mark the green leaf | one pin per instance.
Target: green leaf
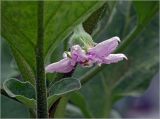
(22, 91)
(145, 11)
(19, 27)
(62, 87)
(79, 101)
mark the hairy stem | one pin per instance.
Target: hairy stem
(40, 73)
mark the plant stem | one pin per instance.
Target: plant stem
(40, 73)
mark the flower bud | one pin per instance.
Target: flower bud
(81, 38)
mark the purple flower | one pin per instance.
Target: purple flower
(78, 54)
(67, 64)
(113, 58)
(63, 66)
(105, 48)
(100, 54)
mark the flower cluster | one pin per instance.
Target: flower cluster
(98, 54)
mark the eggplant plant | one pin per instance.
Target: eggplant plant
(75, 58)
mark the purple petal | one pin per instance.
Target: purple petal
(63, 66)
(105, 48)
(78, 54)
(114, 58)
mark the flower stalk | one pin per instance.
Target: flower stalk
(41, 92)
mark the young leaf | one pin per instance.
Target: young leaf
(22, 91)
(64, 86)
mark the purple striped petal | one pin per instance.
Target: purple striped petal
(63, 66)
(105, 48)
(114, 58)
